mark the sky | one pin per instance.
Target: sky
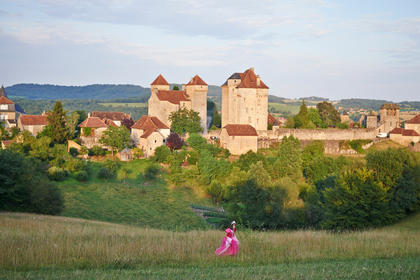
(335, 49)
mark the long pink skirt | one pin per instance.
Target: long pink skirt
(231, 251)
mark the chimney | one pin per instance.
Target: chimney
(89, 115)
(258, 81)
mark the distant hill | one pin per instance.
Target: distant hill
(314, 98)
(36, 91)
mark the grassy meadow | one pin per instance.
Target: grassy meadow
(48, 247)
(133, 200)
(126, 104)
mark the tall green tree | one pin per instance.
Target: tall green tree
(57, 124)
(329, 115)
(185, 121)
(117, 138)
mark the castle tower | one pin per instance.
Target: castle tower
(389, 117)
(245, 100)
(2, 91)
(197, 90)
(159, 84)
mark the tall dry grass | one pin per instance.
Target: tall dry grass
(35, 241)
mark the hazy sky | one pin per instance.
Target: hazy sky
(335, 49)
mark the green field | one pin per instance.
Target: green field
(283, 108)
(133, 200)
(135, 105)
(47, 247)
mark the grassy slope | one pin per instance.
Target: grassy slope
(135, 201)
(45, 247)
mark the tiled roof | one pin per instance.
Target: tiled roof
(93, 122)
(415, 120)
(410, 132)
(390, 106)
(149, 125)
(397, 130)
(110, 123)
(160, 80)
(115, 116)
(172, 96)
(33, 120)
(5, 100)
(196, 80)
(271, 119)
(248, 79)
(8, 142)
(240, 130)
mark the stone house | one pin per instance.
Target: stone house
(91, 131)
(404, 136)
(344, 117)
(245, 100)
(32, 123)
(148, 133)
(111, 118)
(163, 101)
(239, 138)
(413, 124)
(387, 119)
(7, 111)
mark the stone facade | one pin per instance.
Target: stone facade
(32, 123)
(239, 138)
(95, 127)
(404, 136)
(148, 133)
(413, 124)
(7, 111)
(389, 117)
(163, 101)
(245, 100)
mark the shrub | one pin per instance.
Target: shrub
(73, 151)
(112, 165)
(161, 154)
(105, 173)
(151, 172)
(97, 151)
(81, 176)
(57, 173)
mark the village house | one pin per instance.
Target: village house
(148, 133)
(239, 138)
(163, 101)
(404, 136)
(344, 117)
(7, 110)
(387, 119)
(91, 131)
(32, 123)
(413, 124)
(111, 118)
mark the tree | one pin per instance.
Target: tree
(289, 161)
(57, 123)
(128, 123)
(315, 118)
(117, 138)
(175, 87)
(217, 119)
(185, 121)
(174, 142)
(72, 123)
(329, 115)
(259, 174)
(196, 141)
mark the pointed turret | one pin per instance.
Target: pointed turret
(160, 81)
(196, 81)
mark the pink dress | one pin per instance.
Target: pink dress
(229, 246)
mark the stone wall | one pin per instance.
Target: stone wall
(319, 134)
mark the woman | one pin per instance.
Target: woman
(229, 246)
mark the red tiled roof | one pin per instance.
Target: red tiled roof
(172, 96)
(249, 80)
(5, 100)
(271, 120)
(196, 80)
(410, 132)
(33, 120)
(93, 122)
(397, 130)
(110, 123)
(240, 130)
(415, 120)
(149, 125)
(160, 80)
(8, 142)
(115, 116)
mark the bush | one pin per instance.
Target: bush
(151, 172)
(112, 165)
(105, 173)
(73, 151)
(97, 151)
(81, 176)
(161, 154)
(57, 173)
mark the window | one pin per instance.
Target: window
(155, 141)
(4, 107)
